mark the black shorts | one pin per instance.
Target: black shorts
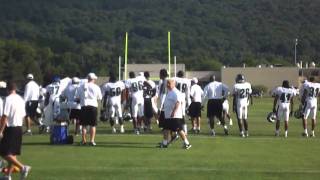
(31, 108)
(195, 109)
(214, 108)
(75, 114)
(161, 119)
(89, 116)
(148, 110)
(173, 124)
(11, 141)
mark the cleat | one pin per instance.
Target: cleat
(213, 133)
(187, 146)
(312, 135)
(121, 130)
(114, 130)
(276, 134)
(25, 171)
(137, 132)
(83, 143)
(162, 146)
(242, 135)
(305, 135)
(92, 144)
(226, 132)
(218, 123)
(27, 133)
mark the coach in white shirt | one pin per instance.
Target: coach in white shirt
(31, 97)
(89, 94)
(11, 130)
(173, 114)
(195, 107)
(215, 92)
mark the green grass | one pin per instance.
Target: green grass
(128, 156)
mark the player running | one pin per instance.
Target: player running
(241, 95)
(310, 92)
(283, 105)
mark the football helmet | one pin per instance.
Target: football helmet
(272, 117)
(239, 78)
(126, 116)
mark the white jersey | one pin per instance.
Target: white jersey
(285, 94)
(148, 89)
(70, 94)
(215, 90)
(31, 91)
(1, 107)
(89, 94)
(172, 98)
(113, 91)
(135, 86)
(183, 85)
(242, 92)
(196, 93)
(312, 90)
(14, 109)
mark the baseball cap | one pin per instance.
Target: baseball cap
(3, 84)
(195, 80)
(92, 76)
(29, 76)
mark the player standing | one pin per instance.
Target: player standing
(149, 91)
(134, 87)
(283, 105)
(310, 93)
(241, 95)
(196, 93)
(183, 85)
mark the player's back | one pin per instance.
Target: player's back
(242, 91)
(312, 89)
(285, 94)
(135, 86)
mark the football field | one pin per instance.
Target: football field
(130, 156)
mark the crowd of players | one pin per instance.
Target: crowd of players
(170, 102)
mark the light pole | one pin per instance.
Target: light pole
(295, 52)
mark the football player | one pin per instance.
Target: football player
(134, 87)
(241, 96)
(310, 92)
(215, 92)
(114, 91)
(161, 95)
(183, 85)
(283, 105)
(149, 91)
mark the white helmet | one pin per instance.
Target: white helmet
(271, 117)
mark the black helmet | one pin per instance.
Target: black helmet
(240, 78)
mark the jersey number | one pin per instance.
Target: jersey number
(137, 86)
(244, 93)
(313, 92)
(182, 87)
(284, 98)
(115, 91)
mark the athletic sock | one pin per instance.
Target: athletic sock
(165, 142)
(185, 128)
(286, 133)
(186, 141)
(305, 131)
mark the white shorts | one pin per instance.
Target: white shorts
(137, 108)
(114, 109)
(242, 111)
(283, 111)
(225, 106)
(310, 108)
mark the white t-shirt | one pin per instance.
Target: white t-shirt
(70, 94)
(31, 91)
(172, 98)
(89, 94)
(242, 92)
(215, 90)
(284, 94)
(114, 91)
(14, 109)
(196, 93)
